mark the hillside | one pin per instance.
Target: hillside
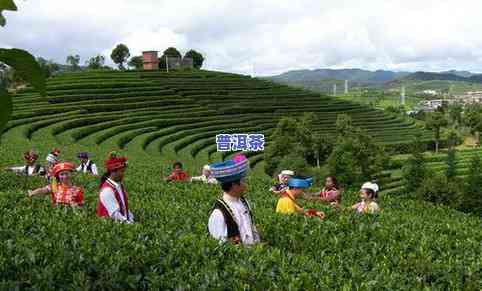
(177, 115)
(154, 118)
(352, 75)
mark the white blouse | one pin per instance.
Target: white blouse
(219, 230)
(107, 197)
(83, 168)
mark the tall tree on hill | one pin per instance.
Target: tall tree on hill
(355, 156)
(473, 119)
(96, 63)
(436, 121)
(473, 189)
(292, 137)
(73, 61)
(414, 171)
(455, 113)
(120, 54)
(48, 67)
(170, 52)
(136, 62)
(196, 57)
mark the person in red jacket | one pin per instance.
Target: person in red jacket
(113, 198)
(177, 175)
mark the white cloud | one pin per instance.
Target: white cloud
(272, 35)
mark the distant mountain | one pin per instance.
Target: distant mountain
(443, 76)
(361, 77)
(465, 74)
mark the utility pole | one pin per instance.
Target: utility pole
(402, 96)
(167, 64)
(346, 86)
(334, 89)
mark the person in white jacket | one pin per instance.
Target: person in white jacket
(86, 165)
(206, 177)
(231, 218)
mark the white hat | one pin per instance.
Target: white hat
(51, 158)
(287, 173)
(207, 168)
(372, 186)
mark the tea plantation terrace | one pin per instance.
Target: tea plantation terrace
(178, 114)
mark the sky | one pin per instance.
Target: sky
(260, 37)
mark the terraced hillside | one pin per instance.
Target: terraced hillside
(392, 180)
(177, 115)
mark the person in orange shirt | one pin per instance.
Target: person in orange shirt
(65, 193)
(287, 203)
(177, 175)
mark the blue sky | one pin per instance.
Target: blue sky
(265, 36)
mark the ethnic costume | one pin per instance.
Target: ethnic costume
(370, 207)
(330, 194)
(31, 168)
(231, 218)
(282, 186)
(113, 200)
(287, 203)
(207, 176)
(63, 194)
(86, 167)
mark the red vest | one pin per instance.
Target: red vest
(102, 211)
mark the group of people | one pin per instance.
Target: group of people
(113, 199)
(32, 167)
(231, 218)
(179, 175)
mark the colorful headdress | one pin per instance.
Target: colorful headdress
(300, 182)
(51, 158)
(114, 162)
(30, 156)
(60, 167)
(231, 170)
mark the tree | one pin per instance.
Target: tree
(355, 157)
(48, 67)
(322, 147)
(136, 62)
(73, 61)
(120, 54)
(25, 66)
(473, 119)
(344, 124)
(96, 63)
(415, 171)
(450, 172)
(170, 52)
(435, 121)
(455, 113)
(472, 201)
(196, 57)
(291, 136)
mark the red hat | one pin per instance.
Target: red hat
(114, 162)
(60, 167)
(30, 156)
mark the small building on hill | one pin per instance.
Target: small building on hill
(150, 60)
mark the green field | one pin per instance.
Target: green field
(156, 118)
